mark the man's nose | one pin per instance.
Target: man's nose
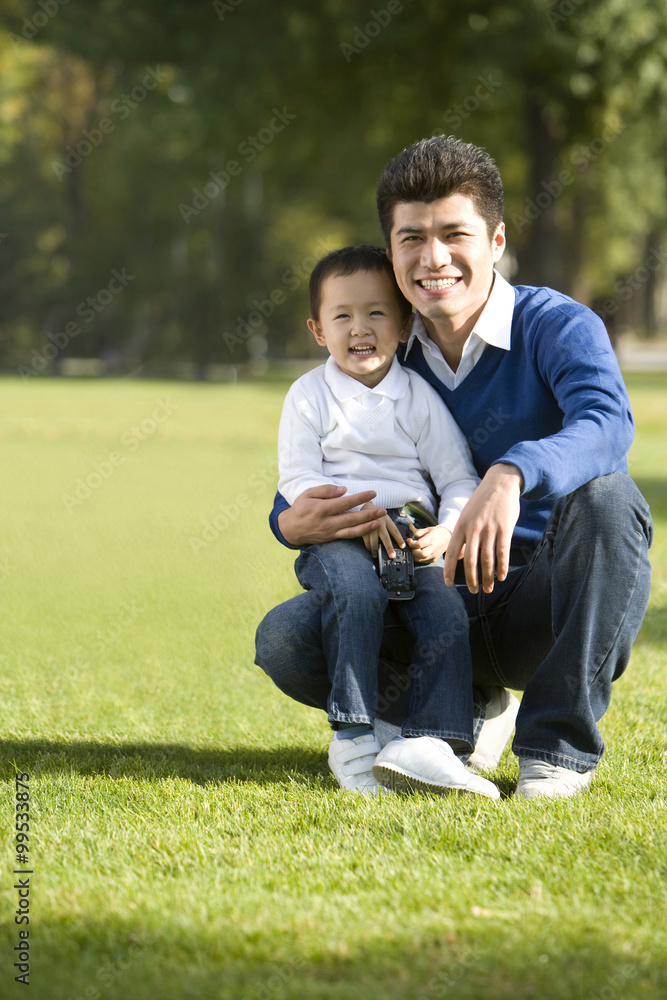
(435, 255)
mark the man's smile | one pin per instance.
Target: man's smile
(437, 284)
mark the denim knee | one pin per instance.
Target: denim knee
(607, 507)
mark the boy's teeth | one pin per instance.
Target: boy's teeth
(432, 285)
(362, 350)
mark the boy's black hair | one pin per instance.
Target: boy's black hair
(436, 168)
(350, 260)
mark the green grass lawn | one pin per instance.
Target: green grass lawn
(187, 838)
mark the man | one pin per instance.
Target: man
(554, 542)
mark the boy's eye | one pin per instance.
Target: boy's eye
(377, 312)
(342, 316)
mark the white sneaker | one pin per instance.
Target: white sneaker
(496, 732)
(351, 762)
(427, 764)
(538, 778)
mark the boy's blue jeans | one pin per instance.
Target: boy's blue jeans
(353, 603)
(560, 628)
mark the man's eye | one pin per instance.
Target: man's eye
(342, 316)
(377, 312)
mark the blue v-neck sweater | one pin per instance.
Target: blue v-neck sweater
(554, 405)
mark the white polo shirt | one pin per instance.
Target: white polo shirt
(398, 439)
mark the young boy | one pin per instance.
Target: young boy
(363, 421)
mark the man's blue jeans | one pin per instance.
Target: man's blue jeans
(353, 604)
(560, 627)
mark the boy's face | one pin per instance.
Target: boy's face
(360, 324)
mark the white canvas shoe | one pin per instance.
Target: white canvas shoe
(351, 762)
(540, 779)
(497, 729)
(427, 764)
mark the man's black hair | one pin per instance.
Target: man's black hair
(436, 168)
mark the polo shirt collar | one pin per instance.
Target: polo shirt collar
(494, 325)
(345, 387)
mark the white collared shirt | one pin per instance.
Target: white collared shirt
(493, 327)
(398, 439)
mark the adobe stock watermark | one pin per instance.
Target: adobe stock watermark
(114, 969)
(131, 439)
(458, 113)
(291, 279)
(221, 8)
(87, 310)
(274, 984)
(31, 26)
(616, 983)
(581, 157)
(494, 420)
(121, 107)
(128, 615)
(362, 37)
(626, 286)
(228, 513)
(249, 149)
(450, 977)
(564, 10)
(6, 568)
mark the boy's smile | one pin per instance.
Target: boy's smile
(360, 324)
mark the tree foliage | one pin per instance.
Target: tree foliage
(211, 151)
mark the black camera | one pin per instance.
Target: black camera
(398, 574)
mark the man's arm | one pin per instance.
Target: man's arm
(324, 514)
(484, 529)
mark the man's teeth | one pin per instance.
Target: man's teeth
(433, 285)
(362, 350)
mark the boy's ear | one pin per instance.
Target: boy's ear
(406, 329)
(317, 333)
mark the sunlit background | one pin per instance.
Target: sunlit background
(170, 171)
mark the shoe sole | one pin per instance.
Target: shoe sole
(400, 781)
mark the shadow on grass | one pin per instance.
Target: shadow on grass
(493, 959)
(282, 765)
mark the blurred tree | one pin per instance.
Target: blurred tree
(211, 151)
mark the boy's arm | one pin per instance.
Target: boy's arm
(319, 511)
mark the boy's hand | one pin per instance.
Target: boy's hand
(384, 534)
(428, 544)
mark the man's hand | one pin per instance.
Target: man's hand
(384, 533)
(483, 534)
(428, 544)
(323, 514)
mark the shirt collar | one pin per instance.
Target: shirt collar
(494, 325)
(345, 387)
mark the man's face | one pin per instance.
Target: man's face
(443, 258)
(360, 324)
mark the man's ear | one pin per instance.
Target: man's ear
(499, 242)
(317, 333)
(388, 253)
(406, 329)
